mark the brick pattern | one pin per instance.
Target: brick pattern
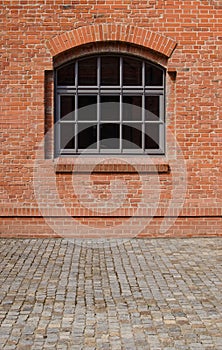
(184, 37)
(183, 227)
(111, 32)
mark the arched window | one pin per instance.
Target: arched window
(110, 103)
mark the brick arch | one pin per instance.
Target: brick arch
(111, 32)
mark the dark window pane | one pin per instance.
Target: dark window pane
(110, 74)
(132, 136)
(109, 107)
(152, 108)
(67, 140)
(87, 107)
(132, 72)
(87, 136)
(87, 71)
(154, 75)
(151, 136)
(109, 136)
(67, 107)
(66, 75)
(132, 108)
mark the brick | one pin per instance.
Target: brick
(184, 38)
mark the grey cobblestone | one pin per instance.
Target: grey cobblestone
(114, 295)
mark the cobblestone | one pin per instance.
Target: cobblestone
(116, 295)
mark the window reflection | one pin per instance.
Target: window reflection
(87, 71)
(110, 71)
(132, 72)
(87, 107)
(109, 136)
(67, 107)
(132, 136)
(153, 75)
(152, 108)
(109, 108)
(66, 75)
(132, 108)
(67, 140)
(87, 136)
(152, 136)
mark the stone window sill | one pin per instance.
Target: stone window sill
(69, 165)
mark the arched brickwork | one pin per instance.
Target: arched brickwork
(112, 32)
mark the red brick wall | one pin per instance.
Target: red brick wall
(185, 37)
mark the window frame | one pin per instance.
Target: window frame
(116, 90)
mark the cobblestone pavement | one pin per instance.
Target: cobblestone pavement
(128, 294)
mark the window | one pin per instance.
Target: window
(110, 104)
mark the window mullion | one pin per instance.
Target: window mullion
(161, 106)
(57, 127)
(143, 122)
(143, 75)
(121, 105)
(75, 121)
(162, 136)
(162, 125)
(98, 103)
(143, 107)
(76, 136)
(76, 74)
(58, 111)
(121, 123)
(76, 105)
(98, 123)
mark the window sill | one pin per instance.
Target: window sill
(68, 165)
